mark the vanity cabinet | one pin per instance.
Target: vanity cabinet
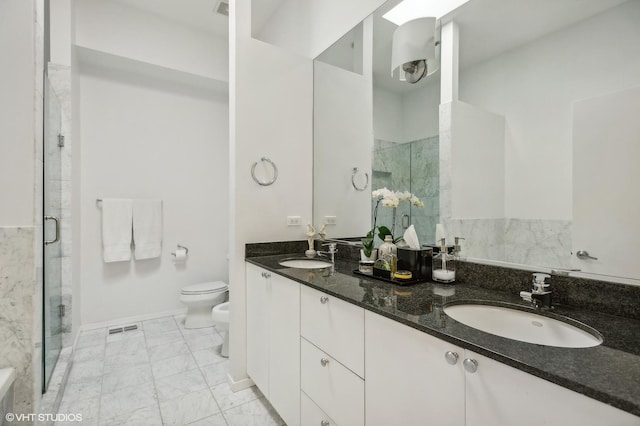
(408, 379)
(415, 378)
(332, 358)
(273, 340)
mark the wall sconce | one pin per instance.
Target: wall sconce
(415, 49)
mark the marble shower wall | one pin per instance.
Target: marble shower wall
(18, 313)
(413, 167)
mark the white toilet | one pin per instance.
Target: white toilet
(220, 316)
(200, 299)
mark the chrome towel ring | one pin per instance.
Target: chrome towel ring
(353, 179)
(275, 172)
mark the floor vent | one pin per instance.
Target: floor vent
(116, 330)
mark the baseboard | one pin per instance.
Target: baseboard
(130, 320)
(238, 385)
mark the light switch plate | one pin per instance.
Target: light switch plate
(330, 220)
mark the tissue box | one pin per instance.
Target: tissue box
(418, 261)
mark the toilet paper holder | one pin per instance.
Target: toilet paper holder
(186, 250)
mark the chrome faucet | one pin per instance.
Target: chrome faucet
(540, 294)
(331, 253)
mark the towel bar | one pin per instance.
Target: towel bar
(353, 180)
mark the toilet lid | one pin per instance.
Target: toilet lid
(203, 288)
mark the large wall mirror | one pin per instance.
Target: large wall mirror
(534, 163)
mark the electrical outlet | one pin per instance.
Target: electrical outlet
(330, 220)
(294, 220)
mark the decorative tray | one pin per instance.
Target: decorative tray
(412, 281)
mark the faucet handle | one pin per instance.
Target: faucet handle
(332, 247)
(539, 282)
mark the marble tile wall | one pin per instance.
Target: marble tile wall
(521, 241)
(17, 313)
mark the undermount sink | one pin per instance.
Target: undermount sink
(523, 326)
(304, 263)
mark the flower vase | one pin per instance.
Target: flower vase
(373, 257)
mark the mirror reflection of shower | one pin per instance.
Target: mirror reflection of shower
(413, 167)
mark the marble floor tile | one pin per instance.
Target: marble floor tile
(86, 339)
(168, 350)
(203, 341)
(146, 416)
(215, 420)
(89, 389)
(86, 370)
(172, 387)
(208, 356)
(227, 399)
(188, 408)
(87, 408)
(133, 375)
(255, 413)
(159, 325)
(89, 353)
(164, 338)
(125, 359)
(126, 400)
(216, 373)
(173, 365)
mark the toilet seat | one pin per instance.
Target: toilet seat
(204, 288)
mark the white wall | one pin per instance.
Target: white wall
(116, 29)
(17, 113)
(534, 87)
(270, 101)
(388, 123)
(420, 110)
(143, 138)
(477, 163)
(308, 27)
(343, 139)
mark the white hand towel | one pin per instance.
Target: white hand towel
(116, 229)
(147, 228)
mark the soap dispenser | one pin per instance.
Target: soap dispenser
(444, 265)
(389, 252)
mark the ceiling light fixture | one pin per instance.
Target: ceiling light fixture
(414, 49)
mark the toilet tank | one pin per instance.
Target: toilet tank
(7, 377)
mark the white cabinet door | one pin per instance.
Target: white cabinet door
(335, 326)
(333, 387)
(409, 381)
(258, 327)
(497, 394)
(273, 340)
(284, 349)
(311, 414)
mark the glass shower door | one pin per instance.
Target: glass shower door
(53, 310)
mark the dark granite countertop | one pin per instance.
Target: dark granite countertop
(609, 372)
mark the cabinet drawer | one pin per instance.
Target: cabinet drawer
(335, 326)
(311, 414)
(335, 389)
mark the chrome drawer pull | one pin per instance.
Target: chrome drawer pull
(451, 357)
(324, 362)
(471, 365)
(324, 299)
(325, 423)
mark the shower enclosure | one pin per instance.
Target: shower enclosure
(413, 167)
(52, 307)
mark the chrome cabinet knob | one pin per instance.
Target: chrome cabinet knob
(470, 364)
(325, 423)
(324, 299)
(324, 362)
(451, 357)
